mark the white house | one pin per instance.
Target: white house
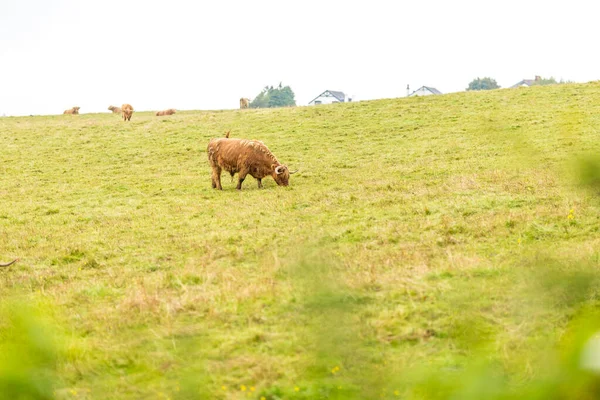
(328, 97)
(425, 91)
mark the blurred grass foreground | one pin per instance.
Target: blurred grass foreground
(430, 248)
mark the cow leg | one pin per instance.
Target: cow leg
(241, 176)
(259, 183)
(216, 178)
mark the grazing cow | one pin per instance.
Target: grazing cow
(115, 110)
(244, 103)
(127, 111)
(9, 264)
(74, 110)
(244, 157)
(170, 111)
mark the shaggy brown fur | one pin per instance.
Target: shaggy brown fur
(74, 110)
(170, 111)
(244, 157)
(127, 112)
(115, 110)
(9, 264)
(244, 103)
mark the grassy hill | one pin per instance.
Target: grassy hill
(428, 248)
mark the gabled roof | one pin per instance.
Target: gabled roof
(431, 89)
(338, 95)
(526, 82)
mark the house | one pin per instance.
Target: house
(526, 82)
(330, 96)
(425, 91)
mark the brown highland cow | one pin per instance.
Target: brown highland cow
(170, 111)
(245, 157)
(74, 111)
(127, 110)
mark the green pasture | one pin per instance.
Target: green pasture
(429, 248)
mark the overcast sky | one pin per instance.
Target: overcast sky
(55, 54)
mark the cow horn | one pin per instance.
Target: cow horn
(279, 169)
(293, 172)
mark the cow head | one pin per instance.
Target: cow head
(281, 174)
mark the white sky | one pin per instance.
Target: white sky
(55, 54)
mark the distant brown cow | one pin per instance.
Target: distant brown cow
(170, 111)
(244, 102)
(115, 110)
(127, 110)
(245, 157)
(74, 110)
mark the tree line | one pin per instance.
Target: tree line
(488, 83)
(270, 97)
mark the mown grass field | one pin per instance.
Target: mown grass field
(439, 247)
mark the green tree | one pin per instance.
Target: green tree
(483, 84)
(544, 81)
(539, 81)
(269, 97)
(262, 100)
